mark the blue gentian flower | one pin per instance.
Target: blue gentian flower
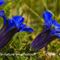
(11, 27)
(50, 32)
(51, 23)
(2, 2)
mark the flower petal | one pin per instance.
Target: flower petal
(2, 2)
(56, 24)
(10, 23)
(18, 20)
(55, 33)
(47, 15)
(2, 13)
(27, 29)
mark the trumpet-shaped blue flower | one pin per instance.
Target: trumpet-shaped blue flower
(51, 23)
(49, 33)
(10, 27)
(15, 21)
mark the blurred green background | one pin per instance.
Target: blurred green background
(32, 11)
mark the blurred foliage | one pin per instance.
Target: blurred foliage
(32, 11)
